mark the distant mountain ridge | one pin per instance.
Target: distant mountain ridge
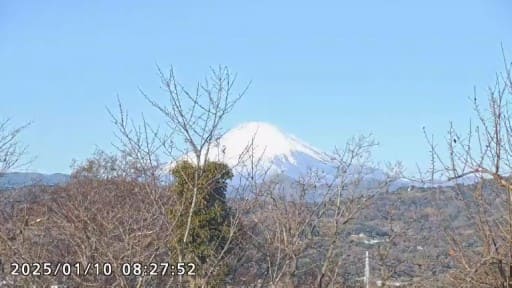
(272, 150)
(13, 180)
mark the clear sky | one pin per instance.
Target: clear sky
(321, 70)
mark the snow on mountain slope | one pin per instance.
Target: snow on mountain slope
(270, 147)
(282, 153)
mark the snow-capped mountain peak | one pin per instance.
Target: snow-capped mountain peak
(266, 148)
(267, 145)
(267, 141)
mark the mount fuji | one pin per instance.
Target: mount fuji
(264, 148)
(267, 148)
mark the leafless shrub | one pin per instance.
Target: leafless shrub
(99, 217)
(11, 150)
(481, 250)
(296, 229)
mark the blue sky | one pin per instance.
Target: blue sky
(321, 70)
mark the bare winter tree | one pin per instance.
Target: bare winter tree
(481, 245)
(104, 215)
(11, 150)
(297, 229)
(195, 117)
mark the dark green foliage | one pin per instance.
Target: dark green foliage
(210, 227)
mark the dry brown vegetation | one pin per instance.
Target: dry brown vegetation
(482, 250)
